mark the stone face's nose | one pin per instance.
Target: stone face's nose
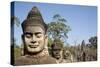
(33, 39)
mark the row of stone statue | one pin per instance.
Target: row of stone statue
(35, 40)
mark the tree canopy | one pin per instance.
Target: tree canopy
(58, 28)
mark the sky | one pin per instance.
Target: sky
(81, 18)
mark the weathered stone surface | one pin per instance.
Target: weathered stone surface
(34, 40)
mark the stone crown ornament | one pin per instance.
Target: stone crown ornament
(57, 44)
(34, 18)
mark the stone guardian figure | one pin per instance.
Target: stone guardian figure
(34, 40)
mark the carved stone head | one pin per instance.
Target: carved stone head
(57, 50)
(34, 32)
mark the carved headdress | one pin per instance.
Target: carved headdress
(34, 18)
(57, 44)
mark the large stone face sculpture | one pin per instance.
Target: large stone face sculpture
(35, 40)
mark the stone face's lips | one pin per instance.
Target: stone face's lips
(57, 55)
(33, 46)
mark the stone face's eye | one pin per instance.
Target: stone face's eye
(39, 35)
(28, 35)
(67, 54)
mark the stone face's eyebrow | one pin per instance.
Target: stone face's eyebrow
(28, 33)
(38, 33)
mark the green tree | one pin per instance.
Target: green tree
(14, 20)
(14, 48)
(82, 45)
(49, 42)
(57, 29)
(93, 41)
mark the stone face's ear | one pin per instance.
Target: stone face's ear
(46, 41)
(24, 46)
(46, 45)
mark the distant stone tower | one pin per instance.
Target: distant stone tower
(82, 45)
(83, 53)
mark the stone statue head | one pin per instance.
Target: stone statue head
(67, 56)
(34, 32)
(57, 49)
